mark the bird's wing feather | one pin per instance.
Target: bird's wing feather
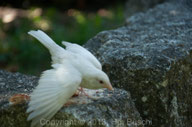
(55, 87)
(75, 48)
(55, 50)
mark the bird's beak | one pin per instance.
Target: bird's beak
(109, 86)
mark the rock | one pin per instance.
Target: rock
(11, 84)
(151, 56)
(186, 3)
(133, 6)
(103, 108)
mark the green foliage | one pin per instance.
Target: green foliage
(20, 52)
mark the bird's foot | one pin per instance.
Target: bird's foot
(80, 91)
(83, 92)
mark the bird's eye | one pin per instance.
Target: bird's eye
(100, 81)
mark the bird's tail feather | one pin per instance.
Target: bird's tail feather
(46, 41)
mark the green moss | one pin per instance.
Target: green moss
(14, 116)
(19, 52)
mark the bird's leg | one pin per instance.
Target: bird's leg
(77, 93)
(83, 92)
(80, 91)
(90, 97)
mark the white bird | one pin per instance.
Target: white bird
(73, 67)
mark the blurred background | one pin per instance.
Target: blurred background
(70, 20)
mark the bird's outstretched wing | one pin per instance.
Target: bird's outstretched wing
(75, 48)
(55, 87)
(57, 52)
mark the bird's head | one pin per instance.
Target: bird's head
(99, 79)
(103, 81)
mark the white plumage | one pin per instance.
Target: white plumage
(82, 51)
(72, 67)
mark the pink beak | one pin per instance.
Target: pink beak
(109, 86)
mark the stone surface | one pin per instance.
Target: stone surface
(133, 6)
(11, 84)
(151, 56)
(102, 109)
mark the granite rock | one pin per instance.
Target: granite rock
(151, 56)
(133, 6)
(101, 109)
